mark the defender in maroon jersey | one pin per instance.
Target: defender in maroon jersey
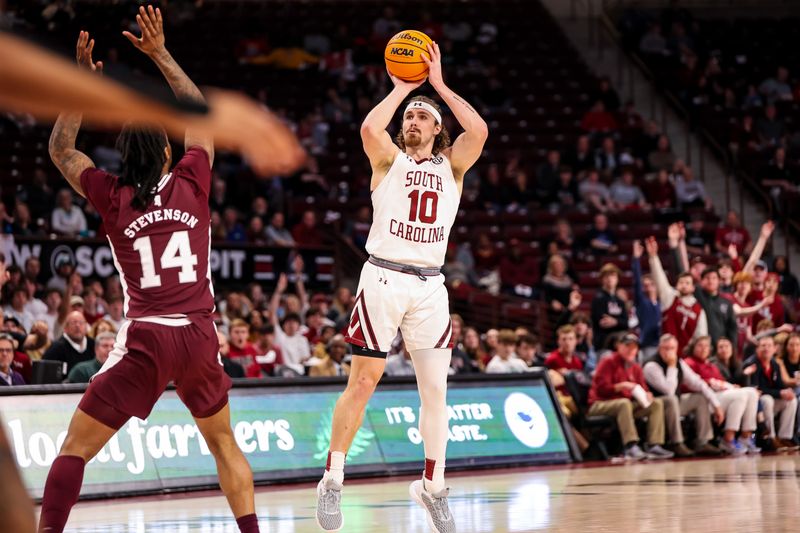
(158, 228)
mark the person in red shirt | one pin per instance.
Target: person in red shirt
(306, 232)
(241, 350)
(598, 119)
(620, 391)
(732, 232)
(771, 306)
(565, 359)
(742, 308)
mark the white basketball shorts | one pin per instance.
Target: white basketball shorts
(388, 300)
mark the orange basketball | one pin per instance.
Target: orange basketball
(404, 53)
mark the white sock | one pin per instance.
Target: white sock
(335, 467)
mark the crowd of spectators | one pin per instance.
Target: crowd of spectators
(735, 79)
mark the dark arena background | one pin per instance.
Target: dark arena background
(620, 270)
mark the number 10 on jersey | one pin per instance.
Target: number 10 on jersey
(423, 206)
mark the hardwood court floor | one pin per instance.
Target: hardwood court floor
(745, 494)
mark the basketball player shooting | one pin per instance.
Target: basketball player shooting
(416, 188)
(158, 228)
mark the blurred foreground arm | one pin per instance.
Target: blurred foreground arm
(43, 84)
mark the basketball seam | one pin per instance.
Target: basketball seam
(408, 44)
(405, 62)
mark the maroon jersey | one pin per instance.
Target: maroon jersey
(161, 253)
(743, 323)
(681, 320)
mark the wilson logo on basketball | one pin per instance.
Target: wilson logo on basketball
(409, 37)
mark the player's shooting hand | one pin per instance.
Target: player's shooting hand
(83, 53)
(152, 27)
(434, 65)
(406, 85)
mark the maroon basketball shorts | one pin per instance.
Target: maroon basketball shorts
(145, 358)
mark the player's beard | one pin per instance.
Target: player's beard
(412, 139)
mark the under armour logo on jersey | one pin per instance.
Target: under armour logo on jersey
(157, 200)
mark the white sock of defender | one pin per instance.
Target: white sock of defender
(334, 469)
(431, 368)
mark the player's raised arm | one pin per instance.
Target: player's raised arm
(468, 146)
(152, 43)
(72, 162)
(378, 145)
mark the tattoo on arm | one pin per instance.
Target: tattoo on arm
(464, 103)
(183, 87)
(70, 162)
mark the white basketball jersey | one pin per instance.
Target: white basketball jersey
(414, 208)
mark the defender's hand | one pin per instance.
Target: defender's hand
(152, 27)
(83, 53)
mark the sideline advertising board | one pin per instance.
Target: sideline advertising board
(284, 431)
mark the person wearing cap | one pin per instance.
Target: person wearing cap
(74, 346)
(683, 392)
(684, 317)
(732, 233)
(83, 372)
(743, 282)
(619, 390)
(608, 310)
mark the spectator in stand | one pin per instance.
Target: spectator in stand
(474, 349)
(288, 337)
(606, 94)
(240, 350)
(595, 193)
(518, 271)
(52, 299)
(739, 404)
(101, 326)
(770, 128)
(777, 88)
(255, 233)
(732, 233)
(648, 308)
(598, 119)
(730, 366)
(334, 363)
(67, 218)
(232, 369)
(492, 193)
(8, 376)
(528, 348)
(607, 160)
(269, 354)
(460, 362)
(486, 262)
(684, 317)
(563, 241)
(582, 159)
(17, 307)
(93, 310)
(690, 192)
(743, 282)
(23, 223)
(619, 390)
(563, 360)
(585, 339)
(780, 178)
(600, 238)
(718, 309)
(521, 193)
(83, 372)
(697, 242)
(771, 306)
(259, 208)
(557, 284)
(653, 42)
(790, 361)
(74, 346)
(726, 273)
(277, 234)
(400, 363)
(661, 191)
(315, 321)
(626, 194)
(38, 341)
(566, 195)
(341, 306)
(662, 156)
(683, 392)
(547, 178)
(505, 360)
(776, 397)
(357, 230)
(306, 232)
(234, 231)
(789, 286)
(608, 310)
